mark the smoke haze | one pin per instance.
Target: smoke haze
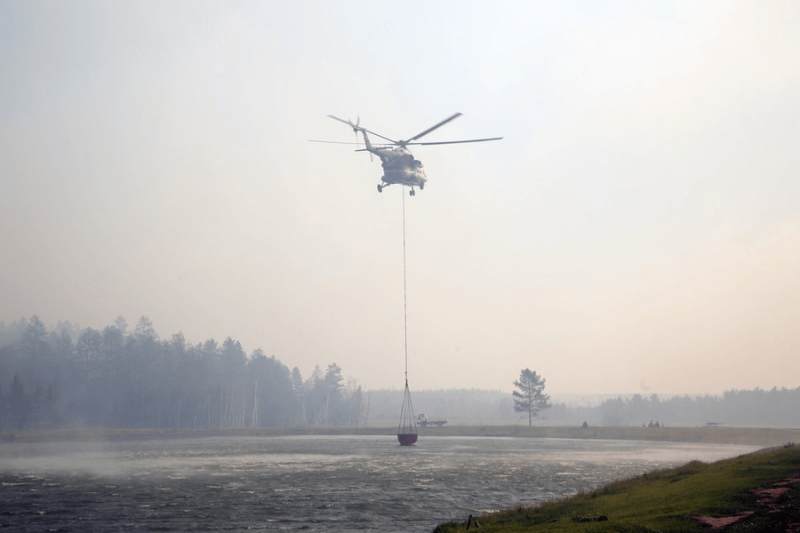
(636, 229)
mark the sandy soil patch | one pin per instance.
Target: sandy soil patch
(721, 521)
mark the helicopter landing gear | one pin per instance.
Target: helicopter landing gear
(380, 188)
(412, 193)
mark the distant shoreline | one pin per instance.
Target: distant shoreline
(709, 435)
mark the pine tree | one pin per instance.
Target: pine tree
(530, 398)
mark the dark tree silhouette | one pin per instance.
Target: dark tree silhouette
(19, 403)
(299, 403)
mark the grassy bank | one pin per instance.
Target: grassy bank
(693, 497)
(721, 435)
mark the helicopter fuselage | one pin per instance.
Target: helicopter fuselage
(399, 165)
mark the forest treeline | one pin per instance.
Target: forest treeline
(67, 377)
(755, 408)
(758, 407)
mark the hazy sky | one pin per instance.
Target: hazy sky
(637, 230)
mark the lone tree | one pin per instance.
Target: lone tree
(530, 397)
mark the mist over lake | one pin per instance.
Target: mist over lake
(309, 483)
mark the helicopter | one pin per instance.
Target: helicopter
(399, 165)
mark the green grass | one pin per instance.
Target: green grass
(663, 500)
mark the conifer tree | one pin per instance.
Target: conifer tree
(530, 397)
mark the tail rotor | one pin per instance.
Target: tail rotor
(356, 129)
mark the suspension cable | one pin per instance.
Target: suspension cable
(405, 312)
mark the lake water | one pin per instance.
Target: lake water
(308, 483)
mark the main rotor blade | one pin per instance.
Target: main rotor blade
(379, 135)
(331, 142)
(459, 142)
(442, 123)
(359, 128)
(374, 146)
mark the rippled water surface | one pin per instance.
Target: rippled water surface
(310, 483)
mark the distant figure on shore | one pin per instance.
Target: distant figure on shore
(585, 425)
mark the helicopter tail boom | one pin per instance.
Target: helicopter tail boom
(366, 140)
